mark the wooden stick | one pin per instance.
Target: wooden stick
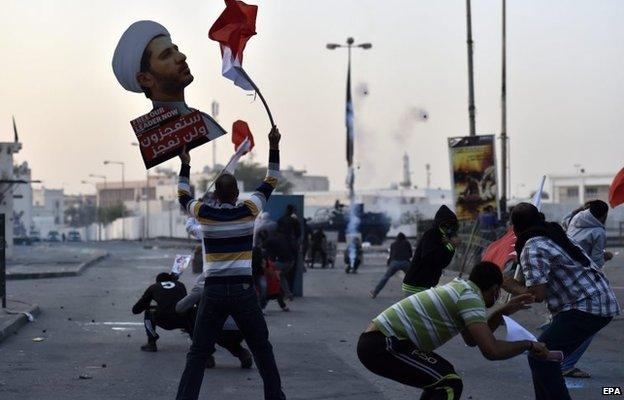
(266, 106)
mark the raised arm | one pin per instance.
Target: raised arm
(258, 199)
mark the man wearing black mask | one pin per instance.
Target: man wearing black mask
(434, 252)
(577, 293)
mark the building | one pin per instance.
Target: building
(8, 183)
(22, 201)
(302, 183)
(579, 188)
(48, 210)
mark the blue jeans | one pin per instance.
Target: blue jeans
(394, 267)
(218, 302)
(567, 332)
(573, 358)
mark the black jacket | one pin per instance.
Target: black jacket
(433, 253)
(165, 294)
(400, 250)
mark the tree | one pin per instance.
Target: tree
(106, 215)
(251, 173)
(81, 215)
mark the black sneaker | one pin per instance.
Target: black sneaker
(150, 347)
(246, 359)
(210, 363)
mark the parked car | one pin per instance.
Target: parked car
(73, 236)
(53, 236)
(34, 236)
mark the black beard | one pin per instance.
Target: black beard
(172, 84)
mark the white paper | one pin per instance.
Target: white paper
(180, 263)
(516, 332)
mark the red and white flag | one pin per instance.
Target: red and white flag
(232, 30)
(243, 143)
(242, 136)
(503, 250)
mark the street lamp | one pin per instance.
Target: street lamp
(123, 193)
(350, 44)
(147, 194)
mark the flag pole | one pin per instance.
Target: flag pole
(258, 92)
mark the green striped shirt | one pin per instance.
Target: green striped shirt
(434, 316)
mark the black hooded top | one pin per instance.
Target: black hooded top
(433, 253)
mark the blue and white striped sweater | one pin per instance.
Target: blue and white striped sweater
(228, 229)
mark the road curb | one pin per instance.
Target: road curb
(58, 274)
(18, 322)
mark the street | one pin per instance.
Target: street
(88, 331)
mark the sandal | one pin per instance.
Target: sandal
(576, 373)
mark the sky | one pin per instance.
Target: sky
(565, 69)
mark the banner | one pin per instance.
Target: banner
(473, 174)
(163, 133)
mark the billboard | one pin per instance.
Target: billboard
(473, 174)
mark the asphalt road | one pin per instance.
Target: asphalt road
(88, 330)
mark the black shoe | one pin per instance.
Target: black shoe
(150, 346)
(347, 270)
(210, 362)
(245, 359)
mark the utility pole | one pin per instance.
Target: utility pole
(471, 102)
(503, 198)
(147, 200)
(349, 111)
(215, 114)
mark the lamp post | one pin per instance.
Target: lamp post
(123, 193)
(147, 195)
(215, 114)
(98, 203)
(349, 108)
(97, 206)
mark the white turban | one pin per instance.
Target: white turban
(129, 50)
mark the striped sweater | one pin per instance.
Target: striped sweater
(432, 317)
(228, 229)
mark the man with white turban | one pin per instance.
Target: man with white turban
(146, 61)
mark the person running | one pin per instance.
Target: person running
(166, 292)
(434, 252)
(399, 260)
(399, 344)
(577, 293)
(319, 243)
(353, 255)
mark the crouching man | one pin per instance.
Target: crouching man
(166, 293)
(399, 344)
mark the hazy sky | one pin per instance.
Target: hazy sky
(565, 84)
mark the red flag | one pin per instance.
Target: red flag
(616, 191)
(233, 28)
(240, 132)
(501, 251)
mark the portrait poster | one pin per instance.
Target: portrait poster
(473, 174)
